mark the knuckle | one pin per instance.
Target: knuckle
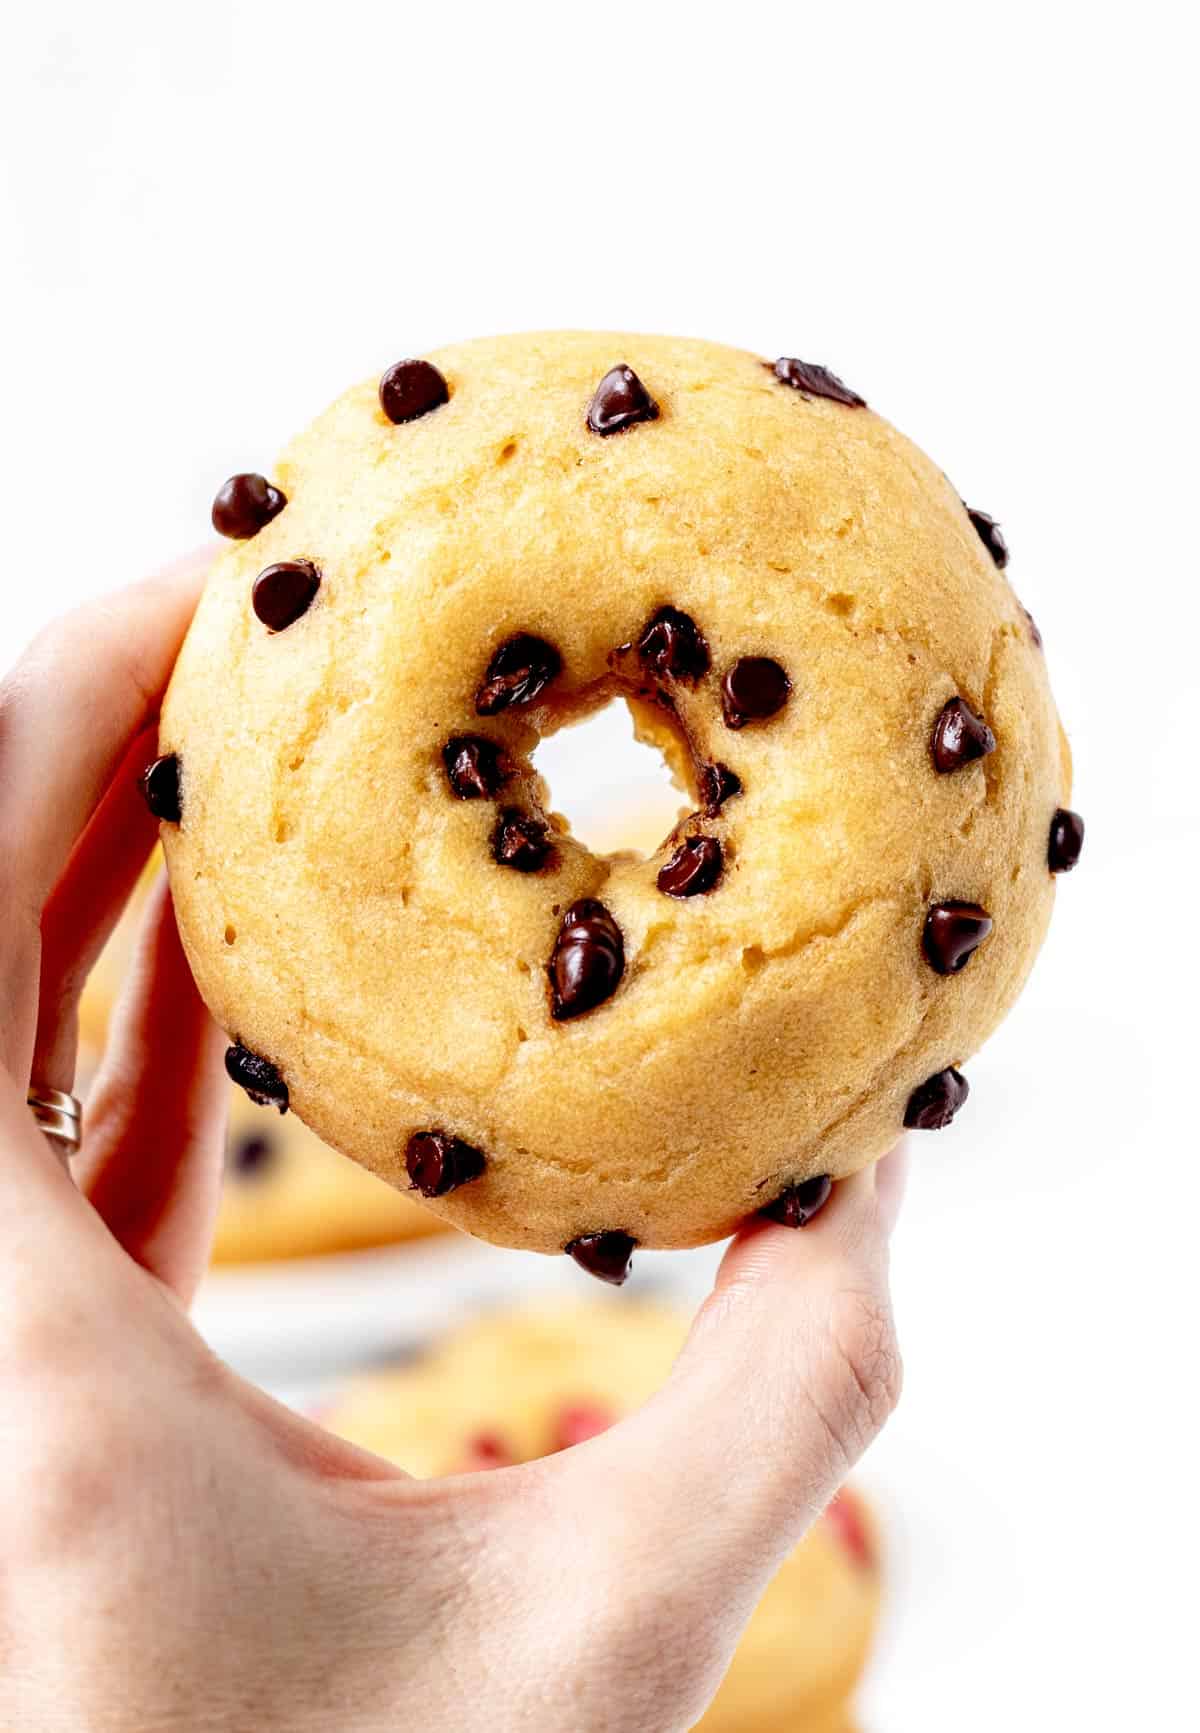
(60, 1514)
(64, 1472)
(36, 664)
(862, 1375)
(96, 632)
(50, 1345)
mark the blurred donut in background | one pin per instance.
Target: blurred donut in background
(520, 1385)
(288, 1195)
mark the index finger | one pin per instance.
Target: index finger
(68, 712)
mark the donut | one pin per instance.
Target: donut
(285, 1194)
(555, 1048)
(520, 1385)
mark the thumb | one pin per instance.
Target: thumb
(662, 1534)
(790, 1370)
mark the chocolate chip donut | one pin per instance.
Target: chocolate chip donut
(585, 1053)
(285, 1194)
(523, 1385)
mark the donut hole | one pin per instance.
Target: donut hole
(614, 790)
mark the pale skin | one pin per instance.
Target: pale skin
(177, 1551)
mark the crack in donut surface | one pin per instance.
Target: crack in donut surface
(421, 945)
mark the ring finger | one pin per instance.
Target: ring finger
(84, 907)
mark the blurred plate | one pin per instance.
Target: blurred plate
(300, 1322)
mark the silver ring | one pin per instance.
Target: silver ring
(58, 1115)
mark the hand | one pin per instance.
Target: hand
(178, 1551)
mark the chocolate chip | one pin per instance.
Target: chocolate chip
(438, 1163)
(411, 389)
(606, 1256)
(717, 785)
(248, 1155)
(244, 505)
(1066, 840)
(517, 673)
(475, 766)
(588, 959)
(934, 1103)
(990, 535)
(160, 788)
(953, 933)
(284, 592)
(693, 869)
(754, 688)
(258, 1077)
(1033, 628)
(959, 737)
(813, 381)
(621, 400)
(521, 841)
(797, 1206)
(673, 646)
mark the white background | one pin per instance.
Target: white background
(214, 216)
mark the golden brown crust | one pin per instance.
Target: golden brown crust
(299, 1199)
(341, 908)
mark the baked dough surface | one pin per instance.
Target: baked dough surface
(343, 910)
